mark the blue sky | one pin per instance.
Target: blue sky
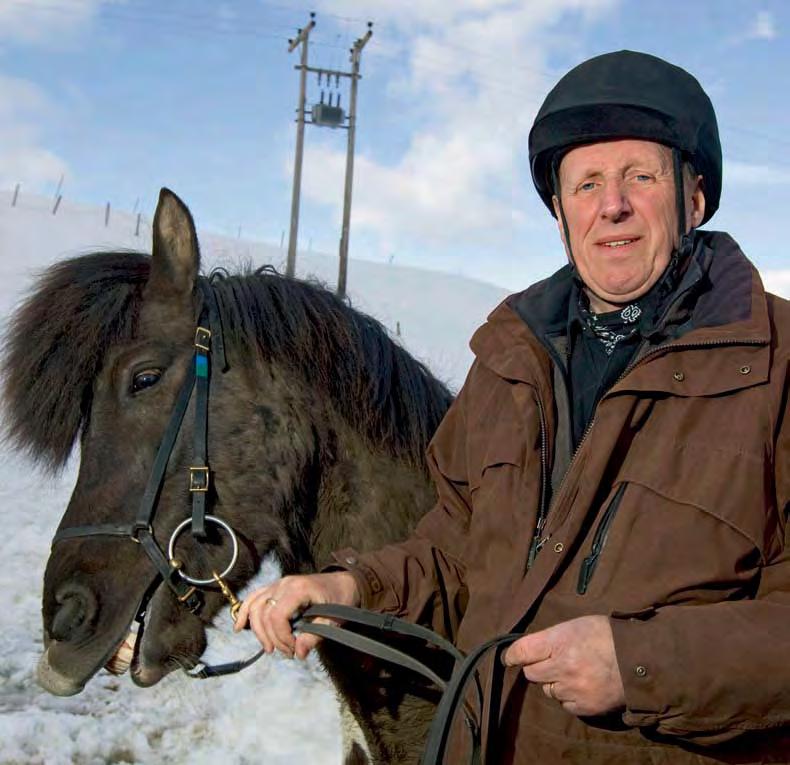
(122, 97)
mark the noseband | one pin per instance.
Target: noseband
(208, 339)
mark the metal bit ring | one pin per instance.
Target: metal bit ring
(234, 541)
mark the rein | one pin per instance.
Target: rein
(453, 689)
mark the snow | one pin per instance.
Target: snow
(274, 712)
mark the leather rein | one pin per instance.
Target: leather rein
(208, 340)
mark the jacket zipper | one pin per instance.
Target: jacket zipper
(538, 541)
(599, 541)
(543, 510)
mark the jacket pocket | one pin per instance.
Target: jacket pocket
(599, 542)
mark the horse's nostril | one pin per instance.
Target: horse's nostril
(77, 608)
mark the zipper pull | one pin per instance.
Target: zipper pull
(536, 547)
(586, 572)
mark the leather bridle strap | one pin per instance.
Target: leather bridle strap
(389, 623)
(141, 529)
(439, 733)
(207, 339)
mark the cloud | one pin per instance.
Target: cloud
(750, 174)
(777, 282)
(22, 160)
(475, 71)
(45, 21)
(763, 27)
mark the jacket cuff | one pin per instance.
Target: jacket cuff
(648, 664)
(373, 594)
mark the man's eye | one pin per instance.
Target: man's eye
(587, 186)
(643, 177)
(145, 379)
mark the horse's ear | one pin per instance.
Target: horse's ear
(176, 257)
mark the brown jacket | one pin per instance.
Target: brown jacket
(670, 518)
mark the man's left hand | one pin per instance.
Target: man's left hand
(576, 664)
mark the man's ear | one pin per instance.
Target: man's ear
(696, 211)
(558, 215)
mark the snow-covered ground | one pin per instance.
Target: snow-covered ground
(276, 711)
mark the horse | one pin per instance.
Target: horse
(316, 426)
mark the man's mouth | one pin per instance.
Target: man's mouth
(615, 243)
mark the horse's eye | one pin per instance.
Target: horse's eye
(145, 379)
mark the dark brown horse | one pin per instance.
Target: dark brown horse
(316, 434)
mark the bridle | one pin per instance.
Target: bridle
(208, 339)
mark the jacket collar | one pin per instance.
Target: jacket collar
(730, 308)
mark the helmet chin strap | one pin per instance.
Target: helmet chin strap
(685, 239)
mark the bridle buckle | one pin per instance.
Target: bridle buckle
(203, 339)
(138, 528)
(199, 478)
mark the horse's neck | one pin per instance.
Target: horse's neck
(366, 499)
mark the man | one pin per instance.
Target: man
(614, 476)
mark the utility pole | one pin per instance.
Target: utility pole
(326, 115)
(301, 39)
(356, 51)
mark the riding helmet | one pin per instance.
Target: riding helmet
(627, 94)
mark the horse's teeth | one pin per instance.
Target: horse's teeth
(121, 660)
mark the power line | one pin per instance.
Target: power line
(197, 22)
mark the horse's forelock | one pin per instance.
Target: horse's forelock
(56, 343)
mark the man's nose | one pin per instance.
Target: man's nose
(614, 203)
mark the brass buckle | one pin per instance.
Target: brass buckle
(198, 478)
(203, 338)
(187, 595)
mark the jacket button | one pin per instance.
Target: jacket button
(559, 547)
(679, 376)
(351, 560)
(640, 671)
(745, 369)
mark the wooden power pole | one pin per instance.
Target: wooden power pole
(301, 39)
(352, 125)
(325, 115)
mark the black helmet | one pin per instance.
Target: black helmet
(628, 95)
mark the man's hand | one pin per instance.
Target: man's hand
(270, 609)
(575, 662)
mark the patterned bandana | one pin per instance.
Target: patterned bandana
(613, 327)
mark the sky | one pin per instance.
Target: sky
(121, 97)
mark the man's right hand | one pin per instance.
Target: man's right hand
(270, 609)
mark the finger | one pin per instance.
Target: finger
(278, 620)
(542, 672)
(304, 644)
(550, 690)
(530, 649)
(248, 603)
(259, 628)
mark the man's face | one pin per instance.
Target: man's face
(619, 202)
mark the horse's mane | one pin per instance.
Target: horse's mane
(57, 341)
